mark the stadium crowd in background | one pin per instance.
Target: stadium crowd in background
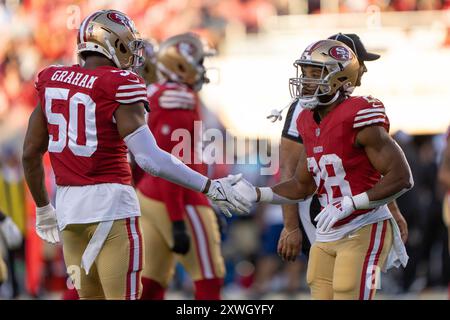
(38, 35)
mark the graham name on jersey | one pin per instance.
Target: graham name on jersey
(76, 78)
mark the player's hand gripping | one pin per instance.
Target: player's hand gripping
(221, 192)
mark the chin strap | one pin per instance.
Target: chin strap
(336, 96)
(112, 52)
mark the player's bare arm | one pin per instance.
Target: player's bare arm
(297, 188)
(388, 159)
(401, 221)
(140, 141)
(35, 145)
(290, 242)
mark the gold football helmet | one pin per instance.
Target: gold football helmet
(339, 73)
(180, 59)
(112, 34)
(148, 69)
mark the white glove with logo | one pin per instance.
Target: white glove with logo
(11, 232)
(46, 224)
(226, 198)
(246, 189)
(334, 212)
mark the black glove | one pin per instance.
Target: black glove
(181, 240)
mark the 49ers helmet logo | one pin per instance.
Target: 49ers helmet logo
(186, 49)
(340, 53)
(119, 18)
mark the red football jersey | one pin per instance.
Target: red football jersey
(79, 104)
(174, 107)
(339, 167)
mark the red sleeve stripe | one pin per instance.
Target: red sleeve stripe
(176, 100)
(131, 86)
(131, 93)
(366, 123)
(371, 110)
(175, 93)
(177, 105)
(369, 115)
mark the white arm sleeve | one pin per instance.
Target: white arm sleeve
(157, 162)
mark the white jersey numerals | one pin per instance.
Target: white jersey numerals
(71, 129)
(330, 182)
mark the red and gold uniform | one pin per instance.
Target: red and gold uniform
(174, 114)
(93, 177)
(352, 252)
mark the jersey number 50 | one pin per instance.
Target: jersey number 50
(71, 129)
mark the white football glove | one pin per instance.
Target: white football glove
(334, 212)
(246, 189)
(46, 224)
(226, 198)
(12, 234)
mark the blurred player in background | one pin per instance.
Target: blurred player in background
(354, 167)
(291, 147)
(88, 117)
(179, 224)
(11, 238)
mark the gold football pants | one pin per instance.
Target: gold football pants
(204, 259)
(116, 272)
(349, 268)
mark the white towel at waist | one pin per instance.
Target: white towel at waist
(397, 255)
(95, 244)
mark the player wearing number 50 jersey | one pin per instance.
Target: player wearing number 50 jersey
(354, 167)
(88, 117)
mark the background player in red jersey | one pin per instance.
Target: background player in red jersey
(354, 167)
(179, 224)
(86, 118)
(291, 146)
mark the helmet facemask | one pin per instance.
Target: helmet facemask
(323, 93)
(336, 73)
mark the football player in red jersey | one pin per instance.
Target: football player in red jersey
(291, 146)
(87, 118)
(354, 167)
(179, 224)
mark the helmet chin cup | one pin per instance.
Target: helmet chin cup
(309, 103)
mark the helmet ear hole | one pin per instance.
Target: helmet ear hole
(122, 48)
(181, 68)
